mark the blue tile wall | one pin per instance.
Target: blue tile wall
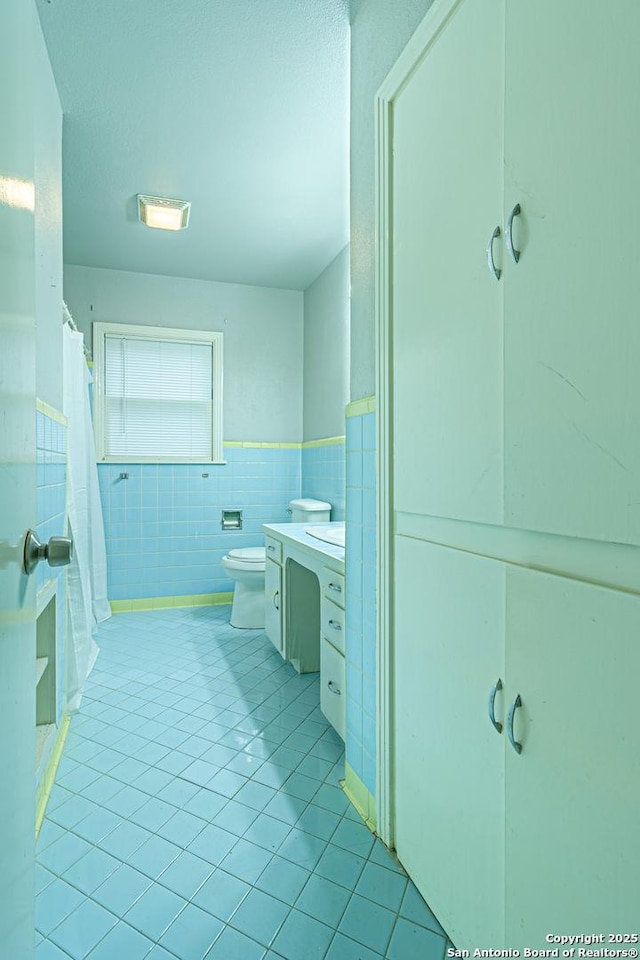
(51, 521)
(361, 597)
(162, 524)
(323, 475)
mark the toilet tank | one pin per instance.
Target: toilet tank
(310, 511)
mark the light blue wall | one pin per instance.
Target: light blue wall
(323, 475)
(325, 378)
(262, 329)
(162, 524)
(361, 598)
(380, 30)
(51, 521)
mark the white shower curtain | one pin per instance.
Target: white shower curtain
(87, 573)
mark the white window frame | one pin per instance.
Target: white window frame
(101, 331)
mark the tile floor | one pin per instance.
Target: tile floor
(197, 813)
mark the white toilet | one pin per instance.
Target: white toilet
(247, 565)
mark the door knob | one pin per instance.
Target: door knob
(57, 552)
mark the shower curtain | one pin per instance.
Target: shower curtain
(87, 573)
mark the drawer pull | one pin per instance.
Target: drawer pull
(492, 705)
(271, 548)
(515, 254)
(491, 262)
(276, 594)
(334, 689)
(335, 625)
(512, 709)
(336, 587)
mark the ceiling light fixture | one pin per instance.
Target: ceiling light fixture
(163, 213)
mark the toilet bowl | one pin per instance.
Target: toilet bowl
(246, 566)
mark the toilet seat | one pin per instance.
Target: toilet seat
(250, 554)
(246, 558)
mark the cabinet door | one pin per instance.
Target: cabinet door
(333, 696)
(449, 760)
(572, 337)
(573, 794)
(273, 603)
(446, 198)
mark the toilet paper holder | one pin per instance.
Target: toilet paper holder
(231, 519)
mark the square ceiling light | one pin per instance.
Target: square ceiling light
(163, 213)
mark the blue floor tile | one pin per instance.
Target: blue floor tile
(122, 941)
(55, 903)
(192, 933)
(186, 874)
(302, 936)
(221, 894)
(383, 886)
(121, 890)
(91, 870)
(368, 923)
(343, 948)
(156, 909)
(83, 929)
(323, 900)
(410, 941)
(198, 813)
(232, 945)
(260, 916)
(283, 879)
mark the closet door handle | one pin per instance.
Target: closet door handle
(492, 265)
(335, 587)
(334, 689)
(515, 254)
(276, 594)
(335, 625)
(512, 709)
(492, 705)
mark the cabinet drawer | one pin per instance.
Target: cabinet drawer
(332, 584)
(332, 686)
(333, 626)
(273, 549)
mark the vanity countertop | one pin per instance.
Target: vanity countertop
(296, 534)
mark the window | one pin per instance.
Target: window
(158, 394)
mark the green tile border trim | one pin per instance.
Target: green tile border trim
(358, 407)
(288, 445)
(51, 412)
(47, 780)
(326, 442)
(293, 445)
(168, 603)
(362, 800)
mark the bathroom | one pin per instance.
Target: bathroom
(192, 801)
(299, 421)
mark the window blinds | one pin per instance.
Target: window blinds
(158, 399)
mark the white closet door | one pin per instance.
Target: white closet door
(573, 793)
(449, 760)
(446, 199)
(572, 336)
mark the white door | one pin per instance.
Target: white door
(572, 338)
(17, 481)
(573, 793)
(447, 198)
(449, 759)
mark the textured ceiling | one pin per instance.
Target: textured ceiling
(240, 106)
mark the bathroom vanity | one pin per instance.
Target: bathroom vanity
(305, 609)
